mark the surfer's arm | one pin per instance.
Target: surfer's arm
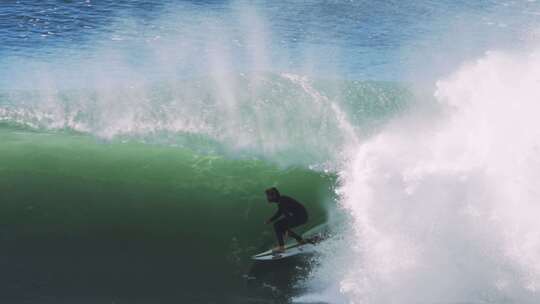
(276, 216)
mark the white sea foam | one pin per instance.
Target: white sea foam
(446, 209)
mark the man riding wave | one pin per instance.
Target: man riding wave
(290, 214)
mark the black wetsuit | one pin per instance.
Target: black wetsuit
(295, 215)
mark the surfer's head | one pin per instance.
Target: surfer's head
(272, 194)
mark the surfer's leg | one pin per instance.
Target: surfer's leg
(295, 222)
(280, 227)
(298, 238)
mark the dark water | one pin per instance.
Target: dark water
(117, 222)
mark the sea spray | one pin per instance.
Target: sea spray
(445, 209)
(255, 116)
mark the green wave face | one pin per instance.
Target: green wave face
(134, 214)
(158, 191)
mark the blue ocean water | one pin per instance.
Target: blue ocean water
(357, 39)
(136, 138)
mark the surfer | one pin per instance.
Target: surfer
(294, 213)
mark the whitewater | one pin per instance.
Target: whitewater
(137, 138)
(449, 214)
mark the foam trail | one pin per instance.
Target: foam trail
(446, 210)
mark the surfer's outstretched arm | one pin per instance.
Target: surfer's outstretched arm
(278, 213)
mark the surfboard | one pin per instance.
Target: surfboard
(290, 250)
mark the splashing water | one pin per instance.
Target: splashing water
(446, 209)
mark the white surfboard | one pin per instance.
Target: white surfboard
(290, 250)
(313, 236)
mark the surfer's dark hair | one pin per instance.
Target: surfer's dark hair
(272, 192)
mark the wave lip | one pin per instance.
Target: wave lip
(306, 119)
